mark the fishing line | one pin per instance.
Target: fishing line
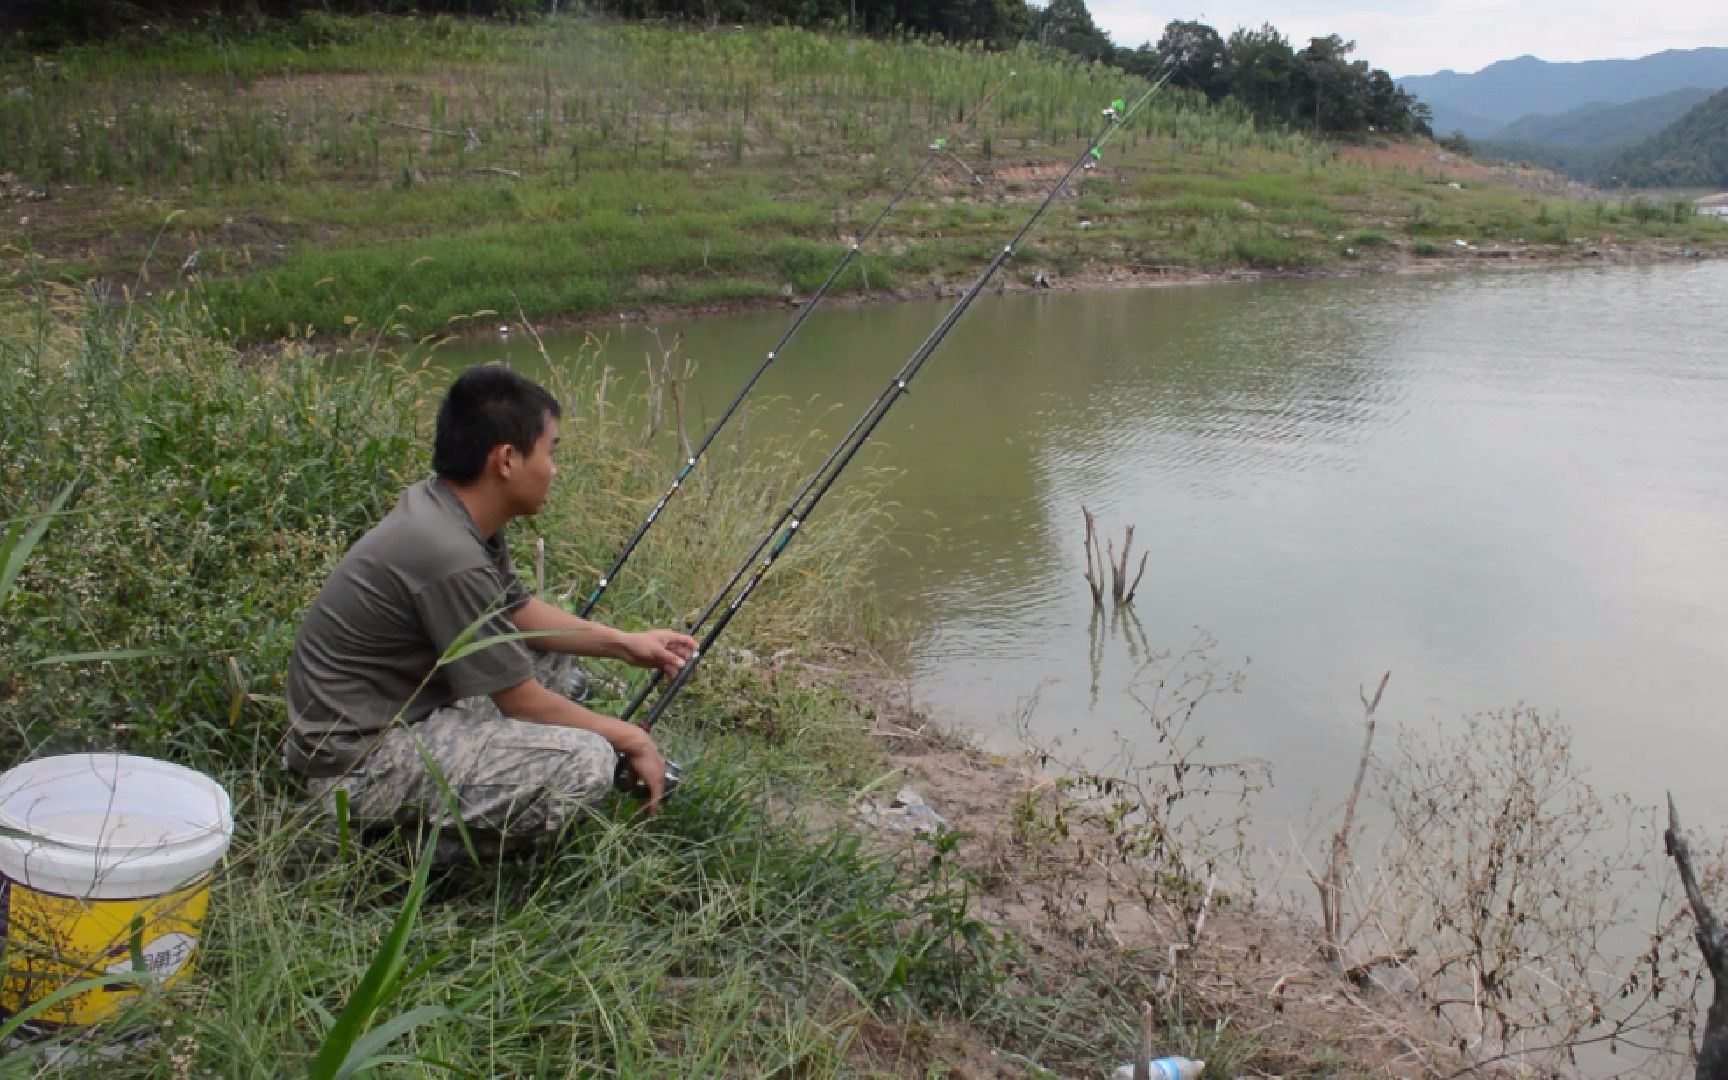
(805, 502)
(936, 150)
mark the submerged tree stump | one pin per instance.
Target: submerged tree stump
(1713, 1048)
(1100, 556)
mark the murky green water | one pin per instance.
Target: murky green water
(1503, 488)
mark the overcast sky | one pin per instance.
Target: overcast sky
(1420, 37)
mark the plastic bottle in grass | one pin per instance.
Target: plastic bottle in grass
(1165, 1068)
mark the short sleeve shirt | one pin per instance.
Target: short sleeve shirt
(421, 585)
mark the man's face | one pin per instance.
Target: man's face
(531, 473)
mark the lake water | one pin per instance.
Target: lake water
(1503, 488)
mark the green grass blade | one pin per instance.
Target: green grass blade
(365, 1052)
(379, 984)
(19, 543)
(70, 990)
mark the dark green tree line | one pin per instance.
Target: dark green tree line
(1319, 87)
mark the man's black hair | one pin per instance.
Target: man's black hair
(486, 406)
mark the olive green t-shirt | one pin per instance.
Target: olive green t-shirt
(367, 651)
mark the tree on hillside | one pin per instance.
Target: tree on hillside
(999, 23)
(1690, 152)
(1143, 61)
(1195, 55)
(1068, 26)
(1325, 85)
(1260, 70)
(1394, 109)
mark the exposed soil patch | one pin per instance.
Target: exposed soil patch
(1419, 158)
(1078, 911)
(1443, 164)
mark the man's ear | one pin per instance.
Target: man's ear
(501, 460)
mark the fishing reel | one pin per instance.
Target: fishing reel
(624, 778)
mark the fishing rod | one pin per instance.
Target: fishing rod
(805, 502)
(936, 150)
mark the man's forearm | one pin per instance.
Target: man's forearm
(569, 634)
(534, 703)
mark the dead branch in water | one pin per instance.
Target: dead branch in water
(1100, 556)
(1094, 576)
(1713, 943)
(1331, 884)
(667, 381)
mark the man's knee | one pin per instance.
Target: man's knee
(577, 768)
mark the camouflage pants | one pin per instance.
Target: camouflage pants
(508, 780)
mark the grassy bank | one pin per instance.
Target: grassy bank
(345, 169)
(723, 938)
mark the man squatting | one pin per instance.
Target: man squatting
(368, 701)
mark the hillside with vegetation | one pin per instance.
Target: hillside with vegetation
(1597, 125)
(1318, 87)
(1588, 143)
(329, 173)
(1691, 152)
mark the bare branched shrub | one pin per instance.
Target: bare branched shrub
(668, 377)
(1158, 813)
(1538, 917)
(1101, 555)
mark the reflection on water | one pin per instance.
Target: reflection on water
(1501, 488)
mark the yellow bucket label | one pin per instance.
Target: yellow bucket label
(52, 940)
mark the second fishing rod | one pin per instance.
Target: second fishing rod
(805, 502)
(936, 150)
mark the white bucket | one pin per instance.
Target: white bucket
(115, 875)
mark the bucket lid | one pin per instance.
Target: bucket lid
(101, 802)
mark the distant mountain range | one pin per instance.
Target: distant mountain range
(1483, 103)
(1656, 120)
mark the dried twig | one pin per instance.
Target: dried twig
(1119, 572)
(1331, 886)
(1143, 1059)
(539, 342)
(425, 130)
(1094, 573)
(676, 390)
(1357, 974)
(1135, 587)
